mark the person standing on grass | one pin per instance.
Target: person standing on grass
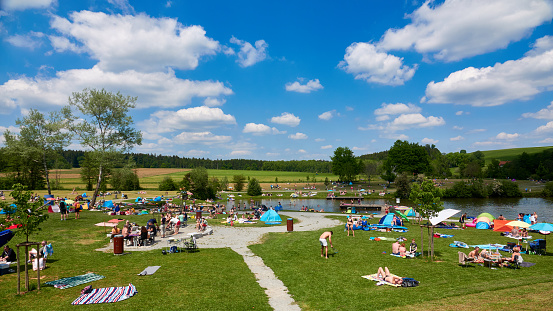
(349, 225)
(63, 209)
(324, 243)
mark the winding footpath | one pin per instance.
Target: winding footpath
(238, 240)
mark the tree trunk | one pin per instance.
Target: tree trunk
(93, 202)
(46, 175)
(432, 243)
(422, 242)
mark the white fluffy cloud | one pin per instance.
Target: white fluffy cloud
(327, 115)
(399, 108)
(414, 120)
(286, 118)
(366, 62)
(310, 86)
(29, 41)
(260, 129)
(140, 42)
(548, 128)
(192, 118)
(506, 136)
(152, 89)
(429, 141)
(545, 113)
(458, 29)
(248, 54)
(26, 4)
(297, 136)
(214, 102)
(458, 138)
(326, 147)
(491, 86)
(204, 138)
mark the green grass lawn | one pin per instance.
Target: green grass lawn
(211, 279)
(336, 283)
(511, 154)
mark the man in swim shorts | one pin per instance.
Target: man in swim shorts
(385, 275)
(324, 243)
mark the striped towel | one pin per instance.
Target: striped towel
(106, 295)
(75, 280)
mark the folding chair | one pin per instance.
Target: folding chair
(463, 259)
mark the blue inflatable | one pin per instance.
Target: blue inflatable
(482, 225)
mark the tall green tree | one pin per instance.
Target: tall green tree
(197, 182)
(403, 185)
(371, 168)
(344, 164)
(407, 157)
(101, 121)
(39, 139)
(239, 181)
(427, 197)
(254, 188)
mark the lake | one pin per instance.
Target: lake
(473, 207)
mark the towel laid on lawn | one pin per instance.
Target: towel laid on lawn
(150, 270)
(374, 277)
(106, 295)
(75, 280)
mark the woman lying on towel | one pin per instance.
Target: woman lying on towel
(385, 275)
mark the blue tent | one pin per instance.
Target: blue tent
(278, 207)
(410, 212)
(271, 217)
(157, 199)
(386, 220)
(83, 195)
(482, 225)
(139, 199)
(108, 203)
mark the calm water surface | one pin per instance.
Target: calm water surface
(473, 207)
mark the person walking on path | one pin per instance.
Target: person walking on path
(324, 243)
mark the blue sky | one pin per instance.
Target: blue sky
(284, 80)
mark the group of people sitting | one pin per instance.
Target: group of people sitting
(479, 256)
(400, 249)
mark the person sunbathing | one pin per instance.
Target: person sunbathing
(474, 255)
(385, 275)
(516, 253)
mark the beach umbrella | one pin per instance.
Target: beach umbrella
(542, 226)
(518, 223)
(69, 201)
(443, 215)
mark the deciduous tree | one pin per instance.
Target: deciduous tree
(101, 121)
(344, 164)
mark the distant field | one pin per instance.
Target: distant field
(511, 154)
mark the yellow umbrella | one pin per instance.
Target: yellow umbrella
(518, 223)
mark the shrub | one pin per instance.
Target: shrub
(254, 188)
(167, 184)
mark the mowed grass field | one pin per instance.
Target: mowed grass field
(511, 154)
(151, 177)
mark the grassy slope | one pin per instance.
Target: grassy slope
(205, 280)
(336, 283)
(510, 154)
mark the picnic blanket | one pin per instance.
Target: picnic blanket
(75, 280)
(149, 270)
(440, 235)
(106, 295)
(459, 244)
(407, 255)
(374, 277)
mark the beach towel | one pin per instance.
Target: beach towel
(459, 244)
(150, 270)
(374, 277)
(106, 295)
(410, 255)
(440, 235)
(75, 280)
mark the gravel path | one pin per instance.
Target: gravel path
(238, 239)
